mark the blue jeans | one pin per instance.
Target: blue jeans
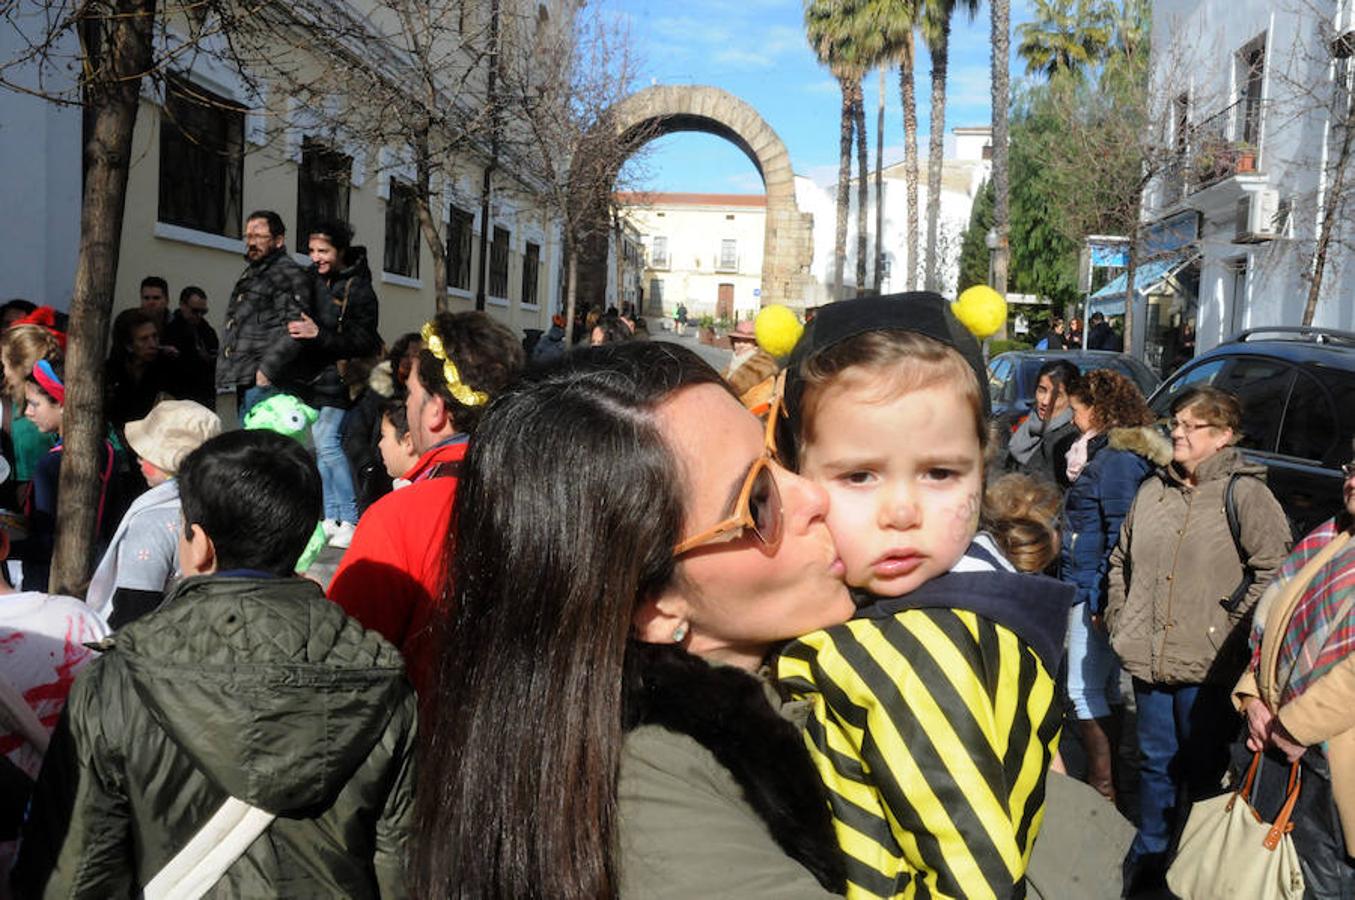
(1093, 668)
(335, 475)
(249, 397)
(1184, 732)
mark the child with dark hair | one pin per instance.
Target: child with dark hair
(397, 445)
(245, 694)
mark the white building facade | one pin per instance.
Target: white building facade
(965, 170)
(703, 251)
(210, 146)
(1253, 93)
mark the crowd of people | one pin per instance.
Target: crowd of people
(601, 631)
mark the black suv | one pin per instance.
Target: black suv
(1297, 387)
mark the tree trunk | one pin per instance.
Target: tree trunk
(1001, 35)
(936, 147)
(113, 93)
(879, 185)
(571, 292)
(908, 95)
(1130, 295)
(428, 224)
(844, 174)
(1331, 205)
(862, 188)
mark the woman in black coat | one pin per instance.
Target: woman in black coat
(344, 328)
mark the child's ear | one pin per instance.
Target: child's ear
(197, 552)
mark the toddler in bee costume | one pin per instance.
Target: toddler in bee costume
(934, 716)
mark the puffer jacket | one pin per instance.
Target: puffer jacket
(1098, 501)
(249, 687)
(272, 292)
(347, 316)
(1176, 560)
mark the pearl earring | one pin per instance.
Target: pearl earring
(680, 633)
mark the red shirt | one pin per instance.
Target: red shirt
(391, 578)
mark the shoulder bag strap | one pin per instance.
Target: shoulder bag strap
(1234, 600)
(15, 711)
(197, 868)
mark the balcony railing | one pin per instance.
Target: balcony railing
(1216, 149)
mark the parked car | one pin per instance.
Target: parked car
(1012, 375)
(1297, 387)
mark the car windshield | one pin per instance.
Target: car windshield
(1030, 367)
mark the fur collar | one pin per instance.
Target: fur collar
(727, 711)
(1145, 440)
(381, 379)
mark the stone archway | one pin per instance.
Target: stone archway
(788, 247)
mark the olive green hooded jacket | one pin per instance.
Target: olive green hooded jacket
(255, 688)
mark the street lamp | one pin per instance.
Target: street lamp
(991, 240)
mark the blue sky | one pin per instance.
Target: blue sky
(756, 49)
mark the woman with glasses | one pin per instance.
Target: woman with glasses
(601, 728)
(1304, 631)
(1181, 590)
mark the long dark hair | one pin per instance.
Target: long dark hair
(569, 504)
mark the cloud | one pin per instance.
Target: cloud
(741, 43)
(745, 183)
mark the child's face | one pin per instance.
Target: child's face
(397, 453)
(43, 410)
(904, 475)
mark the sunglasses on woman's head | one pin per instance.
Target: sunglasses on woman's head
(758, 506)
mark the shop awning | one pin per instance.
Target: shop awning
(1110, 299)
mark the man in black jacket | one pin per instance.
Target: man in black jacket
(273, 290)
(197, 346)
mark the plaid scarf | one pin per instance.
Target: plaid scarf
(1314, 642)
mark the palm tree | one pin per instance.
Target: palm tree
(877, 282)
(862, 186)
(885, 36)
(1001, 35)
(935, 18)
(829, 27)
(1069, 36)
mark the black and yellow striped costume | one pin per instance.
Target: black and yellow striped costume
(933, 723)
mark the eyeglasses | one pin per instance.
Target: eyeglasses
(759, 502)
(1348, 470)
(1187, 427)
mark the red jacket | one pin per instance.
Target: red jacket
(391, 578)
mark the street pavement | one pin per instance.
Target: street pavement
(717, 357)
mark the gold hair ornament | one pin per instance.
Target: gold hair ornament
(464, 393)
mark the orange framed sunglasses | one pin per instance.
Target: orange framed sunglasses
(758, 506)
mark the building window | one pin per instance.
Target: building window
(1251, 77)
(729, 255)
(322, 187)
(459, 232)
(531, 263)
(402, 230)
(498, 264)
(202, 142)
(658, 253)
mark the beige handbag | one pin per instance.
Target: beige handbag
(1228, 851)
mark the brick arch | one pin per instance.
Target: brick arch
(788, 248)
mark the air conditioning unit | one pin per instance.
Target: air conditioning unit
(1258, 216)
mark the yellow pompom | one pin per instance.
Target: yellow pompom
(982, 310)
(777, 330)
